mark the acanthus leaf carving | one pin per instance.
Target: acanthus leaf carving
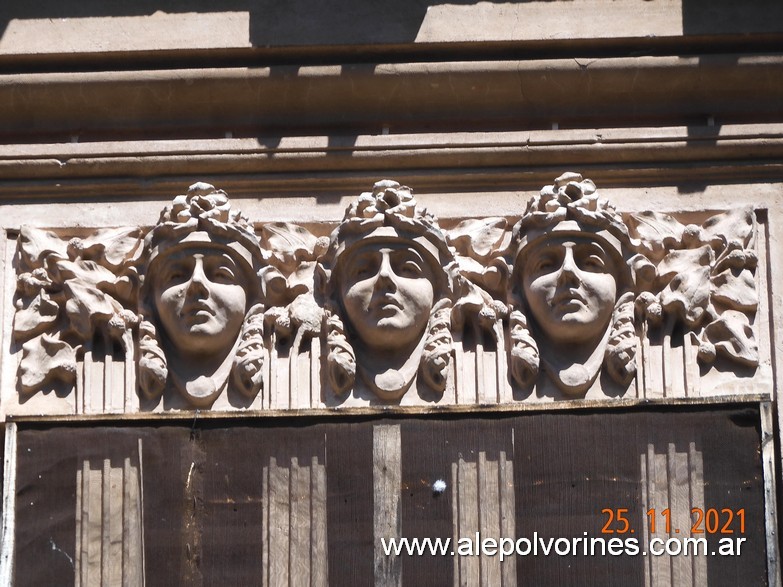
(657, 233)
(45, 360)
(65, 298)
(295, 284)
(291, 277)
(731, 335)
(705, 279)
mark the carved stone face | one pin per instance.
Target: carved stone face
(200, 301)
(570, 284)
(387, 292)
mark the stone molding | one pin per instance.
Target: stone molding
(657, 306)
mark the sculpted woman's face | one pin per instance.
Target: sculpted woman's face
(200, 300)
(570, 284)
(387, 292)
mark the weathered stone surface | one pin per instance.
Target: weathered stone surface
(200, 312)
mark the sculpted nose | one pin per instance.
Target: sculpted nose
(198, 281)
(569, 272)
(385, 277)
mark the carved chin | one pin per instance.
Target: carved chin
(576, 327)
(392, 334)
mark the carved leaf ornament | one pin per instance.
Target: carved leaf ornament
(67, 292)
(701, 278)
(705, 279)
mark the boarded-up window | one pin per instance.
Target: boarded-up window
(283, 502)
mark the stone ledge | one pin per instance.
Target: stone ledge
(395, 98)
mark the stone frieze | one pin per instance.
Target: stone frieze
(566, 299)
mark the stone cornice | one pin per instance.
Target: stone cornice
(366, 99)
(515, 158)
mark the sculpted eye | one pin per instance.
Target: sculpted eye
(224, 274)
(411, 268)
(594, 263)
(175, 275)
(543, 264)
(363, 268)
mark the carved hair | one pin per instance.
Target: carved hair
(153, 369)
(389, 212)
(340, 358)
(524, 351)
(438, 344)
(203, 217)
(246, 370)
(620, 357)
(571, 205)
(435, 360)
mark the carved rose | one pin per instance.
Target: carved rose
(387, 197)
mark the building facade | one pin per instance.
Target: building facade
(284, 283)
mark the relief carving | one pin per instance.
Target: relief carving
(200, 304)
(201, 300)
(704, 280)
(388, 280)
(68, 293)
(575, 270)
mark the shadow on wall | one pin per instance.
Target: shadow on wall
(705, 17)
(355, 22)
(272, 22)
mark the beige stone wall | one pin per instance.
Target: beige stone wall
(294, 110)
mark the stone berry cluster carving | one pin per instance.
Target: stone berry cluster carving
(199, 299)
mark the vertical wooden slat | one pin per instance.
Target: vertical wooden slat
(467, 486)
(294, 545)
(127, 522)
(672, 480)
(507, 517)
(659, 497)
(299, 554)
(84, 530)
(266, 526)
(79, 522)
(457, 521)
(114, 553)
(319, 572)
(696, 483)
(644, 465)
(679, 505)
(770, 494)
(105, 526)
(8, 533)
(387, 482)
(279, 523)
(489, 517)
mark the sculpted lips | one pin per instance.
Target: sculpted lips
(568, 297)
(386, 303)
(197, 310)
